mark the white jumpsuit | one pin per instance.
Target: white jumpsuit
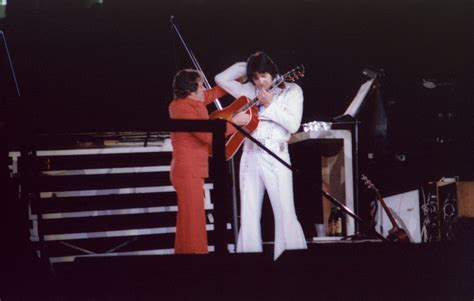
(260, 171)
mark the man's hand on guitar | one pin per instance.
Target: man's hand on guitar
(241, 119)
(265, 98)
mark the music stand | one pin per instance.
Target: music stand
(350, 117)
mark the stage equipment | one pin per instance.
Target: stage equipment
(396, 234)
(444, 204)
(342, 126)
(405, 208)
(350, 119)
(322, 156)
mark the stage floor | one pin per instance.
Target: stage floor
(362, 270)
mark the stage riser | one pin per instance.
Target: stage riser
(102, 201)
(137, 200)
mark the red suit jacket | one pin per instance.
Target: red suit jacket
(189, 168)
(191, 149)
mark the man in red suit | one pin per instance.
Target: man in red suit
(189, 166)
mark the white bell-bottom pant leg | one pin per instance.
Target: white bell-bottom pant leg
(251, 198)
(278, 181)
(257, 172)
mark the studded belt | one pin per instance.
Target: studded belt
(268, 143)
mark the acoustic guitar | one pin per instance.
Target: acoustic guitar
(244, 104)
(396, 234)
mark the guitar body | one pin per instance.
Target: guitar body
(397, 235)
(228, 112)
(234, 142)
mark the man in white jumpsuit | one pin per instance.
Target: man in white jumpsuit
(280, 114)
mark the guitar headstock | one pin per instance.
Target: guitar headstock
(294, 74)
(368, 183)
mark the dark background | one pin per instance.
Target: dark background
(110, 66)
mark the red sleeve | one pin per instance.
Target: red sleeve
(211, 94)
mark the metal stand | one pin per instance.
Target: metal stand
(356, 169)
(235, 217)
(349, 212)
(343, 121)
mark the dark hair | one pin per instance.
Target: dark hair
(260, 62)
(185, 82)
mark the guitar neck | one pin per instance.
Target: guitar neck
(252, 102)
(387, 210)
(291, 75)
